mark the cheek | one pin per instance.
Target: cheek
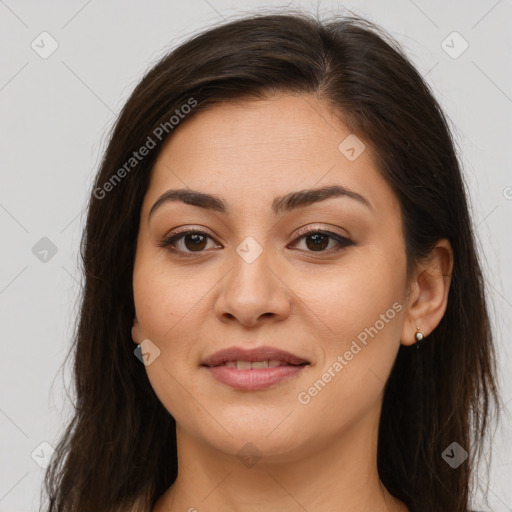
(361, 310)
(165, 314)
(165, 296)
(350, 298)
(350, 380)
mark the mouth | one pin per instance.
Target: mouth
(256, 365)
(260, 357)
(253, 369)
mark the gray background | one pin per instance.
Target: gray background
(54, 116)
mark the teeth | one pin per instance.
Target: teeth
(254, 365)
(259, 364)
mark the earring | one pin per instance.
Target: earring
(419, 337)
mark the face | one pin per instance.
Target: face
(321, 279)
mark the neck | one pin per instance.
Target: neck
(336, 474)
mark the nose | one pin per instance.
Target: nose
(253, 292)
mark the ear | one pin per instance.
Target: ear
(428, 292)
(136, 331)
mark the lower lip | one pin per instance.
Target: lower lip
(252, 380)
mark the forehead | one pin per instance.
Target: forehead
(253, 151)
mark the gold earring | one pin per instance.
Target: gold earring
(419, 335)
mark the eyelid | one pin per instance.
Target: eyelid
(319, 228)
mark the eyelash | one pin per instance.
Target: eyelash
(167, 241)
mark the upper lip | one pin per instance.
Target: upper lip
(255, 354)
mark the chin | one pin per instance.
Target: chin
(257, 441)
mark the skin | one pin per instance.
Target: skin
(317, 456)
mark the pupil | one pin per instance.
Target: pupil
(196, 239)
(320, 241)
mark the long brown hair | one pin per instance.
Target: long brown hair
(118, 452)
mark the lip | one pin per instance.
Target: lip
(254, 354)
(253, 379)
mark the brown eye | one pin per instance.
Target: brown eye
(318, 241)
(186, 242)
(194, 241)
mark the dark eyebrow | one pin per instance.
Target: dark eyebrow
(307, 197)
(281, 204)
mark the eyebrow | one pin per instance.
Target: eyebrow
(281, 204)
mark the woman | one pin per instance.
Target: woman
(280, 229)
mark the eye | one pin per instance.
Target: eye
(185, 243)
(317, 240)
(193, 241)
